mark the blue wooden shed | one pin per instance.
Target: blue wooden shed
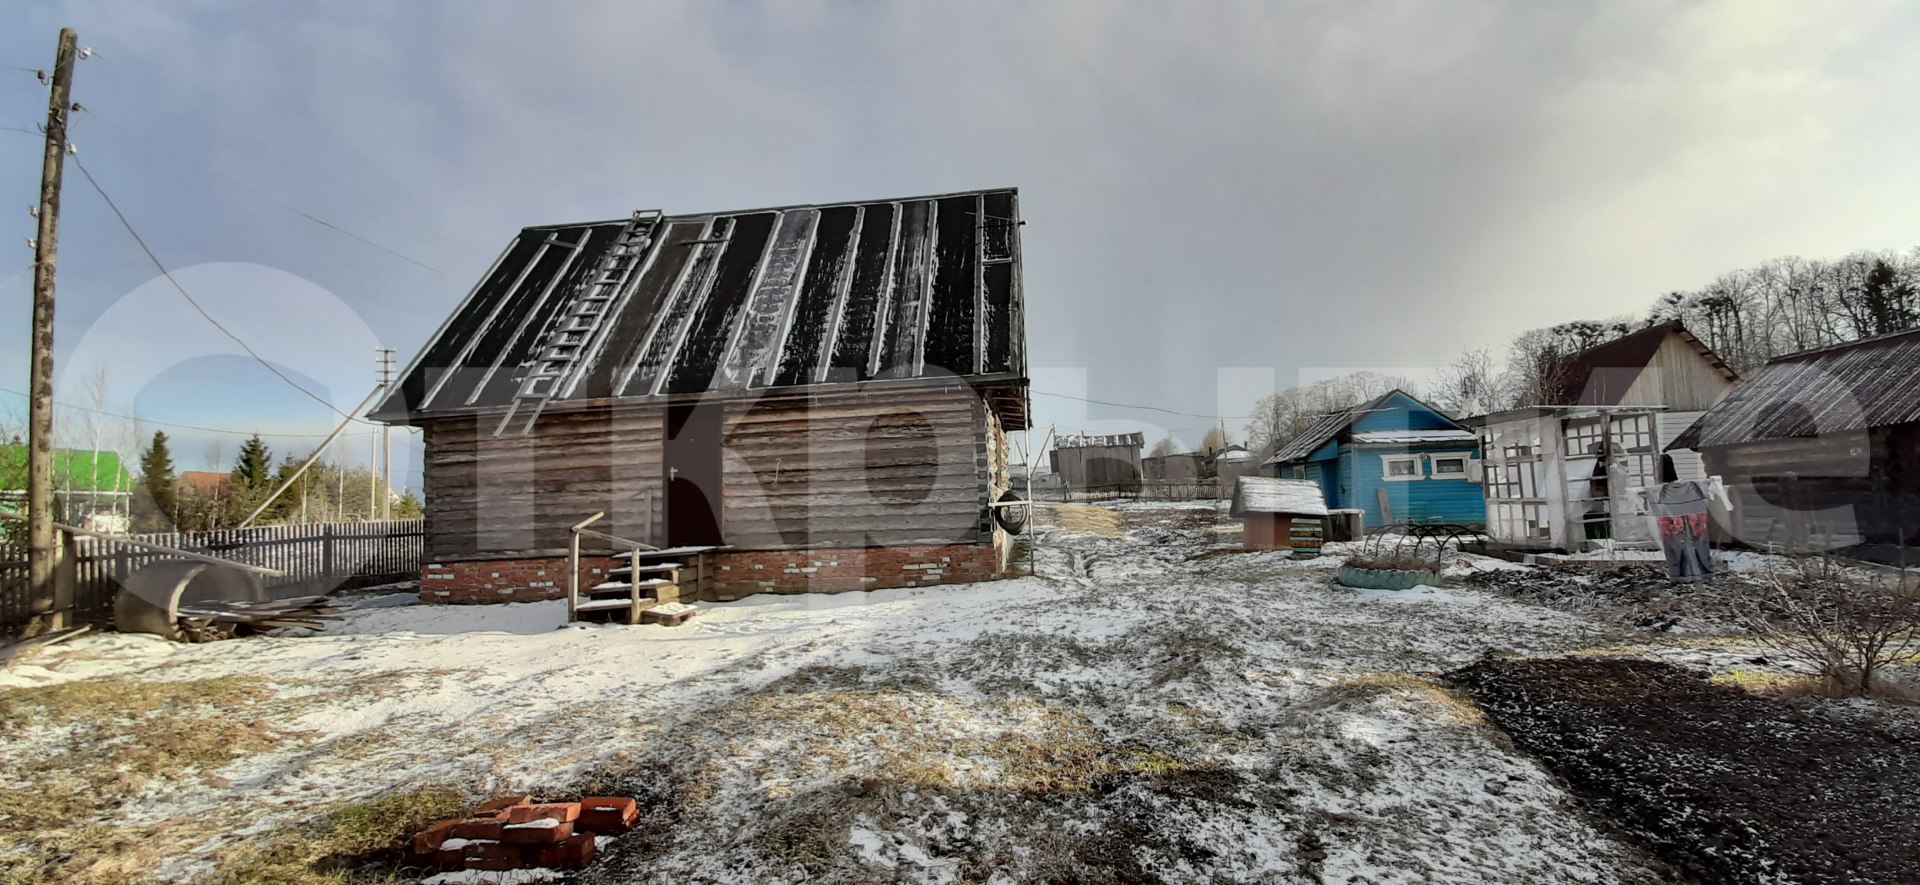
(1396, 459)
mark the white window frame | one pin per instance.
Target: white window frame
(1386, 468)
(1299, 471)
(1463, 457)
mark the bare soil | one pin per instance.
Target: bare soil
(1724, 784)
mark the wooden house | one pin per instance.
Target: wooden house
(1178, 475)
(1280, 514)
(1396, 459)
(1820, 449)
(1560, 474)
(801, 398)
(1106, 464)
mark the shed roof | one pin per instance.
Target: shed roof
(1265, 494)
(1600, 375)
(1874, 382)
(79, 470)
(918, 288)
(1113, 440)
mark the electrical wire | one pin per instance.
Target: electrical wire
(178, 425)
(18, 129)
(338, 229)
(1143, 408)
(196, 305)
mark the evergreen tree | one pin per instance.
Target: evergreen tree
(1890, 304)
(253, 470)
(409, 506)
(154, 505)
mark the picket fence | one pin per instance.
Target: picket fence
(315, 558)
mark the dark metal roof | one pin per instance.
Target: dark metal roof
(1846, 387)
(1329, 426)
(894, 290)
(1601, 374)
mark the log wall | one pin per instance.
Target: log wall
(828, 470)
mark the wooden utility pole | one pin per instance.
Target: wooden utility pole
(42, 552)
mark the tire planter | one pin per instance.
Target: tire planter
(1385, 578)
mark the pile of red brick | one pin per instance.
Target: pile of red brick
(516, 833)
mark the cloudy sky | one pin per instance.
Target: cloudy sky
(1280, 190)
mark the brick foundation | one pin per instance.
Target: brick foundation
(503, 580)
(735, 575)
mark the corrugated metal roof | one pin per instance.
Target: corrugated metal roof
(913, 288)
(1264, 494)
(1846, 387)
(1315, 436)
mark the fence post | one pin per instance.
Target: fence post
(326, 551)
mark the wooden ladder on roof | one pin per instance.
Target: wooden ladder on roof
(568, 334)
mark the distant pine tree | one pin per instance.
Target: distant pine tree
(1890, 305)
(154, 505)
(253, 470)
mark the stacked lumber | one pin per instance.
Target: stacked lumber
(208, 620)
(516, 833)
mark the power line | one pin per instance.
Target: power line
(18, 129)
(196, 305)
(176, 424)
(1143, 408)
(337, 229)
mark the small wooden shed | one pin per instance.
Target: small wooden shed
(1106, 464)
(1280, 514)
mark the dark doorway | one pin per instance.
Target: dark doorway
(692, 474)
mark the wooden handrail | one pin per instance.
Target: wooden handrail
(578, 529)
(184, 554)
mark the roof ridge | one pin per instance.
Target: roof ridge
(1842, 345)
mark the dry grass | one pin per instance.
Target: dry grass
(1364, 687)
(1088, 520)
(120, 736)
(355, 843)
(1795, 685)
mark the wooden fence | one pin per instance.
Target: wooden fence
(316, 558)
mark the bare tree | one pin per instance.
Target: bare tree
(1215, 440)
(1166, 446)
(1467, 386)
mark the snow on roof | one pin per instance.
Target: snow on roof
(1265, 494)
(1123, 440)
(1414, 436)
(1233, 455)
(847, 293)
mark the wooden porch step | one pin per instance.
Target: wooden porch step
(614, 604)
(646, 568)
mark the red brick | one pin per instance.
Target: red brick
(605, 814)
(494, 863)
(485, 850)
(550, 811)
(487, 829)
(502, 803)
(428, 841)
(573, 854)
(531, 834)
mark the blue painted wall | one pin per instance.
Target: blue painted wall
(1422, 500)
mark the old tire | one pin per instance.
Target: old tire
(1013, 519)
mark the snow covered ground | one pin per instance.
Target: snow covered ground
(1149, 707)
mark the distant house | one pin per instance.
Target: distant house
(1229, 464)
(1821, 449)
(205, 483)
(800, 398)
(1106, 464)
(85, 482)
(1559, 474)
(1396, 459)
(1179, 469)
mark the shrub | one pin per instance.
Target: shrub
(1847, 627)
